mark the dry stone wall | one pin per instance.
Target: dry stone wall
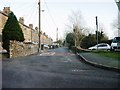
(18, 49)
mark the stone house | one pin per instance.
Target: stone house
(30, 34)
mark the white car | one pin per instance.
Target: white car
(115, 45)
(3, 51)
(101, 46)
(46, 46)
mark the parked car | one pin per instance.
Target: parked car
(115, 45)
(46, 46)
(3, 51)
(101, 46)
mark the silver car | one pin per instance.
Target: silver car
(101, 46)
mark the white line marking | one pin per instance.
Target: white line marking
(53, 53)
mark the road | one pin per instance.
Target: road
(56, 68)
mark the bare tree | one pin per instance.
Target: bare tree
(115, 24)
(101, 27)
(77, 25)
(76, 18)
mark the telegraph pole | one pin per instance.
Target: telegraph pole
(97, 31)
(39, 33)
(74, 30)
(57, 35)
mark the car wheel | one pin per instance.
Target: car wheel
(112, 49)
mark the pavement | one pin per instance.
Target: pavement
(101, 62)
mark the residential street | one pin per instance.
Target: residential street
(57, 68)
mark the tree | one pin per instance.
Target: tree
(101, 36)
(70, 39)
(78, 26)
(88, 41)
(11, 31)
(59, 42)
(115, 26)
(76, 19)
(78, 35)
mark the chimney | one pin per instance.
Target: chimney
(6, 10)
(31, 26)
(21, 20)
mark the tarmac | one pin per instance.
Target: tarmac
(100, 62)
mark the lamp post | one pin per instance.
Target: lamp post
(118, 4)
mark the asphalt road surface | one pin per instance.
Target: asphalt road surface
(56, 68)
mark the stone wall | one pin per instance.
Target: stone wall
(22, 49)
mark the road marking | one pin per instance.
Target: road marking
(65, 61)
(47, 54)
(53, 53)
(68, 59)
(76, 70)
(44, 54)
(56, 54)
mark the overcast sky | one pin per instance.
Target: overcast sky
(56, 13)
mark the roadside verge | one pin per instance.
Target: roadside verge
(97, 64)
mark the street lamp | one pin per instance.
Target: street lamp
(118, 4)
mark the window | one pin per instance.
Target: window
(102, 45)
(116, 39)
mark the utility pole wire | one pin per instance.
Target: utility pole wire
(50, 14)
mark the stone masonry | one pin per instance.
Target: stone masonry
(18, 49)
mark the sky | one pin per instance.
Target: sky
(56, 13)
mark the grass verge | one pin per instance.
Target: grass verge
(114, 55)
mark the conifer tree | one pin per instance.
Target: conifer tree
(11, 31)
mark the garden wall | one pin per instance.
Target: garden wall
(22, 49)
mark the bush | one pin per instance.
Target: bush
(74, 49)
(70, 38)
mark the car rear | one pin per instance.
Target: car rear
(115, 45)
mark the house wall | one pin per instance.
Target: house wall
(30, 34)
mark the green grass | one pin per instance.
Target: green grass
(115, 55)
